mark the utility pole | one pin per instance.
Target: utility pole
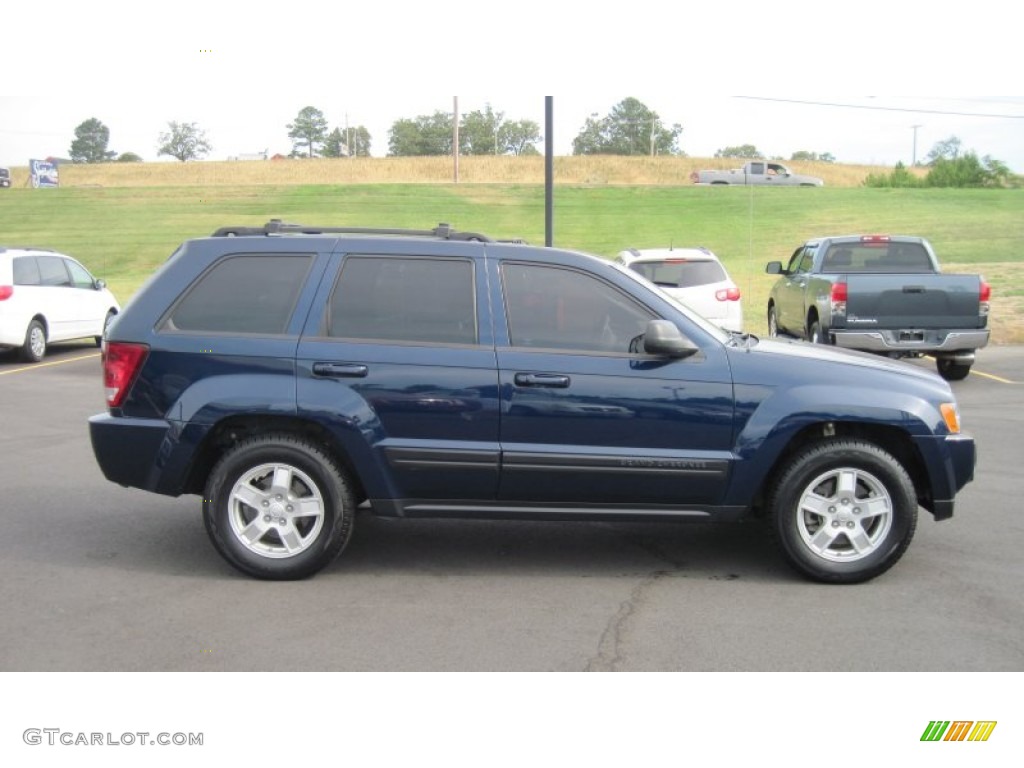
(455, 137)
(914, 161)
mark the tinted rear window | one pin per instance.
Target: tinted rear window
(906, 258)
(422, 299)
(243, 294)
(680, 274)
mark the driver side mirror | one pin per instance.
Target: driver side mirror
(774, 268)
(99, 283)
(662, 337)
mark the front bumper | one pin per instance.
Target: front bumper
(950, 460)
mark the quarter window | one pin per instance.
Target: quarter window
(555, 308)
(427, 300)
(243, 294)
(26, 271)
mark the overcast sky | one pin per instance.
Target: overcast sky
(795, 77)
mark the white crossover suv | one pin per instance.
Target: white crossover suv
(693, 276)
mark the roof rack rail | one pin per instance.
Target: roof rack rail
(278, 227)
(4, 248)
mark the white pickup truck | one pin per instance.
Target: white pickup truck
(757, 172)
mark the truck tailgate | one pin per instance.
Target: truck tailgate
(913, 301)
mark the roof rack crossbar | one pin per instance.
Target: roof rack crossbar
(278, 227)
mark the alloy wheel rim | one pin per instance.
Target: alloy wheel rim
(276, 510)
(844, 515)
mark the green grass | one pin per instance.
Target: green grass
(122, 234)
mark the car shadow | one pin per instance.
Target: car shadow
(174, 544)
(60, 351)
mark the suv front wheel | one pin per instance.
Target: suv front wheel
(844, 511)
(277, 507)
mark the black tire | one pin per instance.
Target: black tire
(843, 511)
(106, 324)
(814, 334)
(773, 322)
(264, 535)
(951, 370)
(34, 348)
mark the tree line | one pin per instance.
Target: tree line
(630, 128)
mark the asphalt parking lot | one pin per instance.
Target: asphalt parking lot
(98, 577)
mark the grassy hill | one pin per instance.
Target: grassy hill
(480, 169)
(123, 220)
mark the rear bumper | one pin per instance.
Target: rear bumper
(898, 341)
(151, 454)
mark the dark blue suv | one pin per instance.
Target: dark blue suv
(287, 374)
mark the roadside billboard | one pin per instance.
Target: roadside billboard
(43, 173)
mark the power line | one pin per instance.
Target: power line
(881, 109)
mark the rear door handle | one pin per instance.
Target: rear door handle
(555, 380)
(340, 370)
(913, 289)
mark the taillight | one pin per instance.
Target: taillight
(728, 294)
(875, 240)
(837, 298)
(121, 364)
(984, 296)
(6, 291)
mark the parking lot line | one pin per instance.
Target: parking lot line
(37, 366)
(1000, 379)
(976, 372)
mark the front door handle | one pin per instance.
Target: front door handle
(555, 380)
(340, 370)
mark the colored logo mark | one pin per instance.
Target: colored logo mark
(958, 730)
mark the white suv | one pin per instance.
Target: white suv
(693, 276)
(46, 297)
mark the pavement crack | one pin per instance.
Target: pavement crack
(610, 652)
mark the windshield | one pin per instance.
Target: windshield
(705, 325)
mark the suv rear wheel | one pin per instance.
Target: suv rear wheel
(844, 511)
(278, 507)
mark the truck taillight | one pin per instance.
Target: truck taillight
(121, 364)
(837, 298)
(6, 291)
(876, 240)
(728, 294)
(984, 297)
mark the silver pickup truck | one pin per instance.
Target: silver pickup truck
(757, 172)
(880, 293)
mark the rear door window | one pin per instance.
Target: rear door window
(418, 299)
(52, 271)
